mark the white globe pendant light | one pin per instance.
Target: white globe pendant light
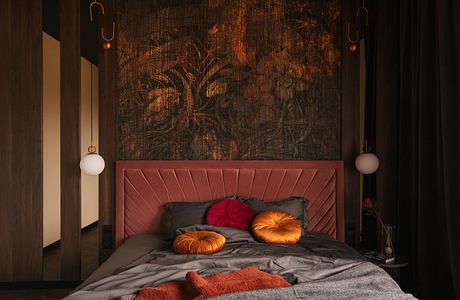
(92, 163)
(367, 163)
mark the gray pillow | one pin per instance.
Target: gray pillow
(232, 235)
(295, 206)
(183, 214)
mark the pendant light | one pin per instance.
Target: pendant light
(92, 163)
(367, 162)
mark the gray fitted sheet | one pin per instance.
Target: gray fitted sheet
(132, 249)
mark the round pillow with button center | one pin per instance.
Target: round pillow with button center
(230, 213)
(199, 242)
(276, 227)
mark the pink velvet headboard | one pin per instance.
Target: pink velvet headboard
(144, 186)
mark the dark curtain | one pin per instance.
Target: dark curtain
(382, 94)
(428, 206)
(369, 230)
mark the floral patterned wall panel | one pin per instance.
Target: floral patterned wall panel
(229, 79)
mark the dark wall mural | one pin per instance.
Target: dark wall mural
(235, 79)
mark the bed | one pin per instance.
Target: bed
(320, 266)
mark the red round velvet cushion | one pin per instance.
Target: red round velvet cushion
(230, 213)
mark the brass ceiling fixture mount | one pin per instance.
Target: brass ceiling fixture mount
(357, 37)
(106, 44)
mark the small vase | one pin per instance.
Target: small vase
(387, 240)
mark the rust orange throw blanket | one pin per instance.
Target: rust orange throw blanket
(196, 287)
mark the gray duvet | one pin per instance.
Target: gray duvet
(317, 268)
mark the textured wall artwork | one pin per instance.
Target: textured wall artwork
(235, 79)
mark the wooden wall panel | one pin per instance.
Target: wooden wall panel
(21, 176)
(70, 140)
(107, 135)
(350, 129)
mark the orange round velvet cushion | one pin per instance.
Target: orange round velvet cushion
(199, 242)
(276, 227)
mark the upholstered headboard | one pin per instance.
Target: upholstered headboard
(144, 186)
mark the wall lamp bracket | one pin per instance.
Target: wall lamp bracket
(98, 4)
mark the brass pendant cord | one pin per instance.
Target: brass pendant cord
(91, 102)
(91, 148)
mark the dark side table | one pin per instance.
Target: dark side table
(394, 268)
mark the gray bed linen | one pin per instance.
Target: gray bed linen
(362, 282)
(322, 268)
(132, 249)
(232, 235)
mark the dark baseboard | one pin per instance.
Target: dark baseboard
(57, 243)
(39, 285)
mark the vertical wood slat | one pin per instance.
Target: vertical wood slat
(107, 128)
(21, 164)
(70, 140)
(350, 128)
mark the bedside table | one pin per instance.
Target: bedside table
(394, 268)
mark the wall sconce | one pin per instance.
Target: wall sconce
(98, 4)
(106, 44)
(354, 41)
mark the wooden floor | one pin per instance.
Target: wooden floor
(34, 294)
(51, 270)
